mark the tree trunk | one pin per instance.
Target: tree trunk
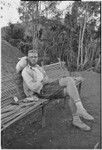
(86, 57)
(93, 49)
(93, 54)
(78, 58)
(98, 63)
(35, 24)
(83, 31)
(45, 50)
(88, 53)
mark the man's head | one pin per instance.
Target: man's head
(32, 57)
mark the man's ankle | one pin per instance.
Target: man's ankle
(79, 105)
(75, 116)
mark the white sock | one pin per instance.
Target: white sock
(76, 118)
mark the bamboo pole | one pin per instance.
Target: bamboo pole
(24, 112)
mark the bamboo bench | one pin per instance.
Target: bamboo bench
(12, 86)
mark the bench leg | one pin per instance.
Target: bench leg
(43, 116)
(64, 103)
(79, 88)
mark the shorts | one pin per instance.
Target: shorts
(52, 90)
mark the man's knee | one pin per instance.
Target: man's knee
(67, 80)
(70, 79)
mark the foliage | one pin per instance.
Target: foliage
(88, 20)
(14, 42)
(14, 34)
(24, 47)
(76, 40)
(30, 12)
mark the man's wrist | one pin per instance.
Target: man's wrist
(42, 82)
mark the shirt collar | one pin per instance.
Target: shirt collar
(32, 67)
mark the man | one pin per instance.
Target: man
(35, 81)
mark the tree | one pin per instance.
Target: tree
(85, 19)
(14, 34)
(79, 27)
(30, 13)
(72, 27)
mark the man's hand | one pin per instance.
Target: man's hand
(45, 80)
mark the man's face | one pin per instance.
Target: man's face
(32, 58)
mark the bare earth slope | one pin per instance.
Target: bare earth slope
(9, 58)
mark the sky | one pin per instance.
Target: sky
(9, 12)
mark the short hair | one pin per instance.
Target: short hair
(32, 51)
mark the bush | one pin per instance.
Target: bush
(14, 34)
(14, 42)
(24, 47)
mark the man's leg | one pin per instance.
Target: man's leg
(75, 102)
(72, 91)
(76, 119)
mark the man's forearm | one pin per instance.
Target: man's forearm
(48, 80)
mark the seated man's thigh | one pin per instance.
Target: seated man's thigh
(65, 81)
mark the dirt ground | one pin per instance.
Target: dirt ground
(59, 132)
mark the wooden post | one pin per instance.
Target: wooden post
(43, 116)
(64, 102)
